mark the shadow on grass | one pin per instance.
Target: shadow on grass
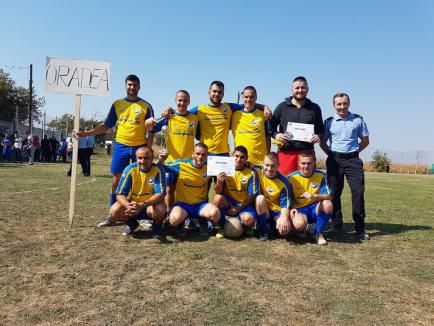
(11, 165)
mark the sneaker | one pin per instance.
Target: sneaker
(363, 236)
(203, 229)
(220, 234)
(128, 231)
(310, 229)
(181, 231)
(107, 222)
(319, 238)
(263, 236)
(145, 224)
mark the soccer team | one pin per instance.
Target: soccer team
(274, 193)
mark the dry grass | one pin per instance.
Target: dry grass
(54, 275)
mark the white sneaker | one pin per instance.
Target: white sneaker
(145, 225)
(320, 239)
(107, 222)
(127, 231)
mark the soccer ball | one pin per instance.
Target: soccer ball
(233, 228)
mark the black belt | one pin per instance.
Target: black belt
(345, 156)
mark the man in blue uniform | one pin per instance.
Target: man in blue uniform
(342, 131)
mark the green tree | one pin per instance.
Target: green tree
(13, 96)
(380, 162)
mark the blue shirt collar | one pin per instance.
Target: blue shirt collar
(349, 116)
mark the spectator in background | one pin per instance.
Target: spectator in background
(30, 146)
(7, 148)
(17, 148)
(46, 149)
(82, 157)
(54, 145)
(1, 145)
(90, 141)
(63, 149)
(69, 147)
(37, 144)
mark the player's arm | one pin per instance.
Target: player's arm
(364, 142)
(102, 128)
(220, 183)
(267, 134)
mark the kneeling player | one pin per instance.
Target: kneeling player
(140, 194)
(310, 195)
(235, 196)
(191, 197)
(275, 200)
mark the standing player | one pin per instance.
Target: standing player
(130, 114)
(297, 108)
(140, 194)
(250, 128)
(182, 126)
(275, 200)
(343, 131)
(191, 197)
(235, 196)
(311, 198)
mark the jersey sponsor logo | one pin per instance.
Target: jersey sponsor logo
(244, 180)
(270, 190)
(137, 110)
(204, 175)
(314, 185)
(255, 122)
(150, 180)
(191, 124)
(223, 110)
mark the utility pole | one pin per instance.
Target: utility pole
(30, 99)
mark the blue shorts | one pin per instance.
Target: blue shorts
(310, 212)
(249, 209)
(193, 210)
(122, 155)
(274, 215)
(171, 178)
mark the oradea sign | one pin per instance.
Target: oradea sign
(77, 76)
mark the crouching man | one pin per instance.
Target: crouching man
(140, 194)
(311, 198)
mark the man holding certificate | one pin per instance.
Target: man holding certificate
(296, 125)
(191, 196)
(235, 195)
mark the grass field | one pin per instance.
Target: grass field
(53, 275)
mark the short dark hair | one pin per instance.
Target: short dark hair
(184, 92)
(341, 95)
(201, 145)
(272, 156)
(218, 83)
(250, 88)
(132, 78)
(241, 149)
(146, 147)
(300, 79)
(307, 154)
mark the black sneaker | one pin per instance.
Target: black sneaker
(263, 236)
(363, 236)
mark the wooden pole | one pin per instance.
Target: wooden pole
(74, 160)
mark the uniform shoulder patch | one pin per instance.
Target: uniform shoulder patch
(358, 116)
(329, 119)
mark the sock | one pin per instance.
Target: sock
(262, 223)
(321, 221)
(157, 227)
(222, 217)
(112, 199)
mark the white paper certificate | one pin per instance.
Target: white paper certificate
(217, 164)
(300, 131)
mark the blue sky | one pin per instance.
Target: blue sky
(380, 52)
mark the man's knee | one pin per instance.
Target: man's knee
(177, 216)
(327, 206)
(261, 204)
(247, 219)
(299, 222)
(219, 201)
(211, 211)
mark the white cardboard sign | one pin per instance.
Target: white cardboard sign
(77, 76)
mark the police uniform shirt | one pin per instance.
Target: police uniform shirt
(277, 190)
(314, 184)
(344, 133)
(243, 184)
(191, 182)
(250, 129)
(130, 117)
(180, 134)
(138, 185)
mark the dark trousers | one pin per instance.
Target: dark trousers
(17, 154)
(89, 152)
(82, 158)
(352, 170)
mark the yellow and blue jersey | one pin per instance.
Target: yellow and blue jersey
(243, 184)
(180, 134)
(139, 186)
(192, 183)
(315, 184)
(130, 117)
(214, 125)
(277, 190)
(250, 130)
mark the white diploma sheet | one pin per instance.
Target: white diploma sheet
(217, 164)
(300, 131)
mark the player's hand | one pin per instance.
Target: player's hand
(150, 123)
(167, 112)
(282, 225)
(308, 195)
(267, 113)
(162, 155)
(282, 138)
(315, 139)
(221, 178)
